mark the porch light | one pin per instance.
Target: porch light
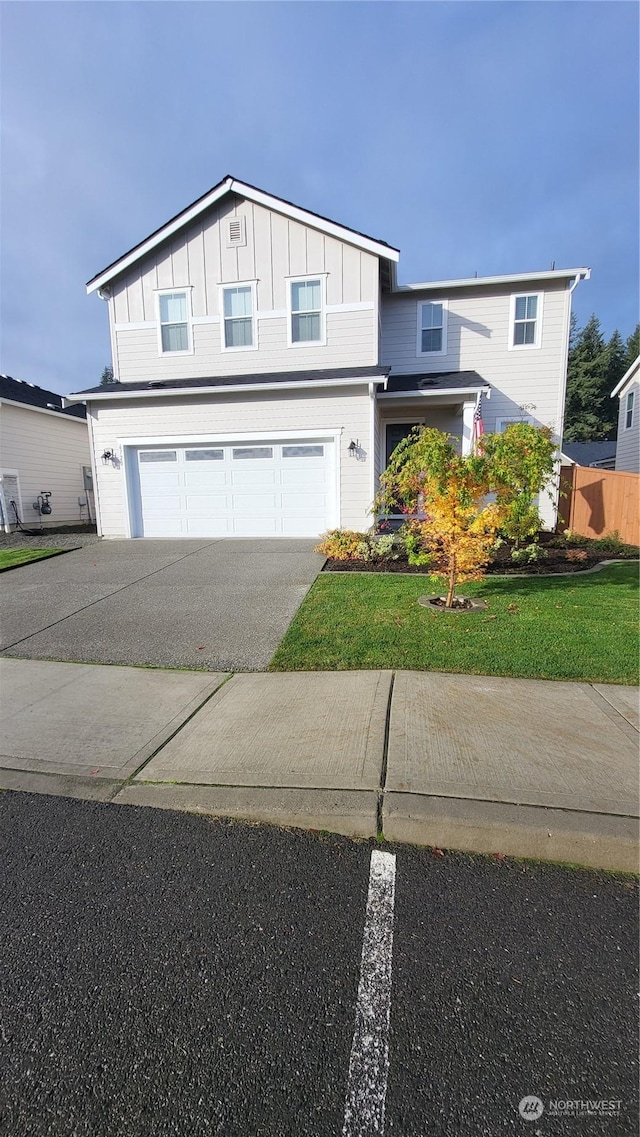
(353, 449)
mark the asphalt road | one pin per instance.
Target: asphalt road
(169, 974)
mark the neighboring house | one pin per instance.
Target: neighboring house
(267, 363)
(44, 449)
(600, 454)
(628, 392)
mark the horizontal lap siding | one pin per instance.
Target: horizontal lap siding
(276, 248)
(349, 344)
(628, 444)
(477, 340)
(223, 415)
(48, 452)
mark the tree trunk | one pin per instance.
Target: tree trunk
(453, 576)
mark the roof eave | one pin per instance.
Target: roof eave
(484, 281)
(232, 185)
(628, 376)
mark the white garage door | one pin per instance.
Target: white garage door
(283, 489)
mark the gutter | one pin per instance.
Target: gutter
(180, 392)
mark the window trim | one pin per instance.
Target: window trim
(187, 289)
(252, 284)
(509, 420)
(631, 395)
(537, 339)
(291, 280)
(445, 328)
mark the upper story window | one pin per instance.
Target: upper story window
(526, 319)
(239, 317)
(432, 327)
(307, 310)
(174, 312)
(628, 414)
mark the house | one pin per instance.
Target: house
(45, 458)
(628, 392)
(267, 363)
(599, 454)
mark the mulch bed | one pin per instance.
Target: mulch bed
(556, 560)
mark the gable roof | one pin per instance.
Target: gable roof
(19, 391)
(251, 193)
(629, 375)
(436, 382)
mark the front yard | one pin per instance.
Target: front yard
(9, 558)
(574, 627)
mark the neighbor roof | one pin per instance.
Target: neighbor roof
(19, 391)
(228, 185)
(589, 453)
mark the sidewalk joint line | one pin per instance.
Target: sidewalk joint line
(166, 741)
(385, 759)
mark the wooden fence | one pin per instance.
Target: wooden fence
(598, 502)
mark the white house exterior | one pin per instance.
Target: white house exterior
(628, 444)
(44, 448)
(267, 363)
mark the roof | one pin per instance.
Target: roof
(589, 453)
(436, 381)
(629, 375)
(228, 185)
(19, 391)
(216, 383)
(483, 281)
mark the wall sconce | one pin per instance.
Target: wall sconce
(353, 449)
(109, 456)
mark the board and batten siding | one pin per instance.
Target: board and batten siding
(628, 441)
(276, 248)
(48, 451)
(478, 340)
(223, 417)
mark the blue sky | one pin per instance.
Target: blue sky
(488, 136)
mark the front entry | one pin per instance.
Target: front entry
(396, 431)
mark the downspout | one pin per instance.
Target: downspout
(563, 385)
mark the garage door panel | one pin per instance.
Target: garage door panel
(244, 490)
(315, 503)
(205, 478)
(256, 527)
(257, 472)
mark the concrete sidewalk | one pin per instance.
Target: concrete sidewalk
(516, 766)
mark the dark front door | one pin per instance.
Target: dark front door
(396, 431)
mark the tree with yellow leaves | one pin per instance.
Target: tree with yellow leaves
(445, 494)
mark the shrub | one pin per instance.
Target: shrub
(577, 554)
(573, 538)
(341, 544)
(389, 546)
(610, 543)
(416, 552)
(528, 555)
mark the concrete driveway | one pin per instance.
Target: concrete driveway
(221, 605)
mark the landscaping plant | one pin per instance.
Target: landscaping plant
(446, 495)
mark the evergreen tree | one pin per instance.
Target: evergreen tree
(632, 348)
(107, 377)
(587, 417)
(616, 360)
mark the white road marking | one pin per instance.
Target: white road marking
(369, 1062)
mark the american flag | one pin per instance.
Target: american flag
(478, 425)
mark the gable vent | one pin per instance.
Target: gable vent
(236, 232)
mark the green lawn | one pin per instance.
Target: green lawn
(11, 557)
(572, 627)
